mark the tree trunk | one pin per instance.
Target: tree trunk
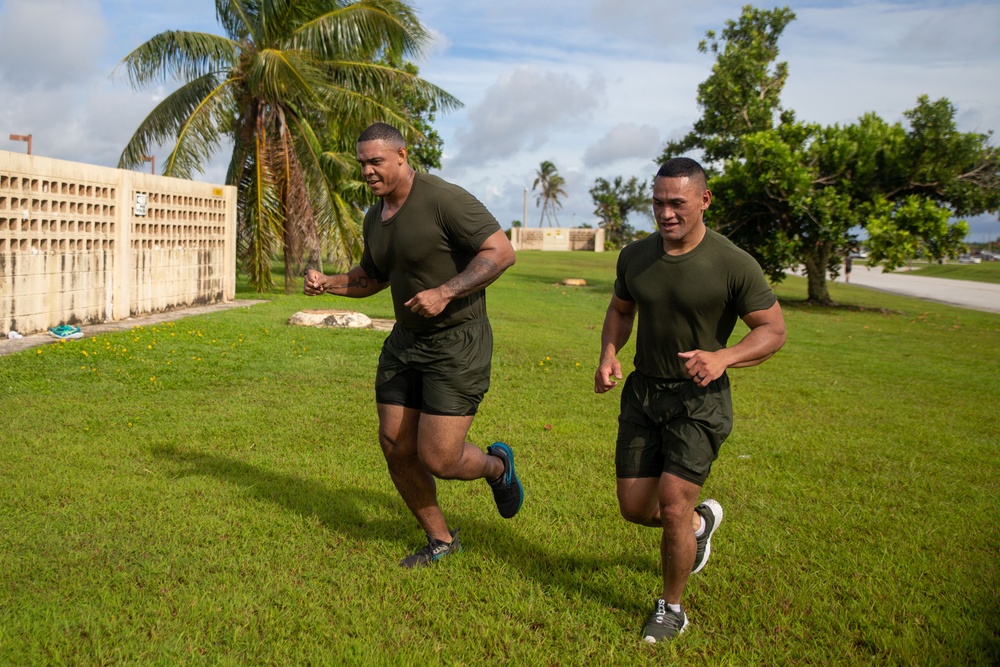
(816, 263)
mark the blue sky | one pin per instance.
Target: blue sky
(596, 86)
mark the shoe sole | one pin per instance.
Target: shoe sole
(716, 510)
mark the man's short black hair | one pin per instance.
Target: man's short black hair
(383, 132)
(682, 167)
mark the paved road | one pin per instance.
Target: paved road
(963, 293)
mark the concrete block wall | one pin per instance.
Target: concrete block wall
(557, 238)
(84, 244)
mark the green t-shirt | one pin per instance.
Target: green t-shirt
(430, 240)
(687, 302)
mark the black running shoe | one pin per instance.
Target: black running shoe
(711, 513)
(507, 490)
(663, 624)
(433, 552)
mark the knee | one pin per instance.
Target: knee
(396, 452)
(439, 466)
(641, 514)
(675, 515)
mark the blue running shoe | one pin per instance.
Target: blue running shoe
(507, 490)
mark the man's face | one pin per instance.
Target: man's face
(382, 166)
(678, 208)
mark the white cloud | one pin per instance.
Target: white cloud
(626, 140)
(522, 110)
(49, 43)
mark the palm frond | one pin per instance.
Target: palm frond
(286, 78)
(239, 18)
(364, 29)
(178, 54)
(187, 116)
(336, 220)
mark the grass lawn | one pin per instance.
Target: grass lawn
(985, 272)
(211, 492)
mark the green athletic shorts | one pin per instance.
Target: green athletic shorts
(439, 373)
(671, 426)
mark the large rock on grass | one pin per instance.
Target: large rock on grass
(331, 319)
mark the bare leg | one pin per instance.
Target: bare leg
(442, 448)
(678, 498)
(417, 447)
(665, 502)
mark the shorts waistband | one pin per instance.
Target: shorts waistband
(468, 324)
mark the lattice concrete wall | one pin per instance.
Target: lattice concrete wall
(82, 244)
(557, 238)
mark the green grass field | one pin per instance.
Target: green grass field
(211, 492)
(986, 272)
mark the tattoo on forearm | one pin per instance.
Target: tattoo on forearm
(480, 272)
(360, 282)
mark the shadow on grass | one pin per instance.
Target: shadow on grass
(339, 510)
(806, 304)
(587, 576)
(344, 511)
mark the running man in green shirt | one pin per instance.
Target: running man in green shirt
(437, 248)
(688, 285)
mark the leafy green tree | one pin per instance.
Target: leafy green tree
(614, 202)
(549, 184)
(796, 193)
(290, 86)
(424, 144)
(743, 93)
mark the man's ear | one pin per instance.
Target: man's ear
(401, 153)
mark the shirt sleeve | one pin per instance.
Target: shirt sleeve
(621, 286)
(469, 223)
(753, 292)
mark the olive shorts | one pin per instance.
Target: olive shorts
(440, 373)
(671, 426)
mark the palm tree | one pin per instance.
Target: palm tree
(550, 186)
(290, 86)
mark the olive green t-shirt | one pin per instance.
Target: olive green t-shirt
(687, 302)
(430, 240)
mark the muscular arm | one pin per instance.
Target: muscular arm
(766, 336)
(616, 331)
(494, 257)
(356, 283)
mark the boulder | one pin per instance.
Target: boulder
(339, 319)
(331, 319)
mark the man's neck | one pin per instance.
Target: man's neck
(394, 201)
(688, 243)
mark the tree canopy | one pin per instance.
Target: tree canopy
(290, 86)
(796, 193)
(614, 202)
